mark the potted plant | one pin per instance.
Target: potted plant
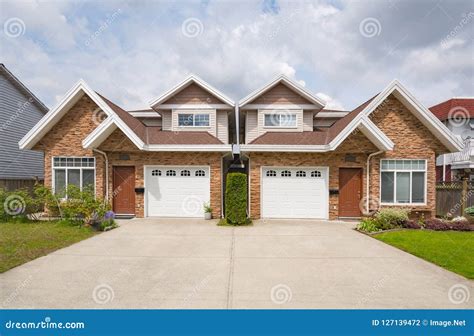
(207, 211)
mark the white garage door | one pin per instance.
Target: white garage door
(293, 192)
(176, 191)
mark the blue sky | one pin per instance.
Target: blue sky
(345, 51)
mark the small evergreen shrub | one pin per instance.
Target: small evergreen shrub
(236, 199)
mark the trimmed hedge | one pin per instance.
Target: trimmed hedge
(236, 198)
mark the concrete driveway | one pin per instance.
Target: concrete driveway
(182, 263)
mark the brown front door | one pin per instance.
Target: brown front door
(350, 192)
(124, 190)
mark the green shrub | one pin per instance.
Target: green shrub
(368, 225)
(18, 206)
(236, 198)
(469, 211)
(389, 218)
(48, 200)
(82, 206)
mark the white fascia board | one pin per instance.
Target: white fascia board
(428, 119)
(188, 148)
(292, 84)
(282, 107)
(32, 137)
(71, 97)
(99, 134)
(193, 106)
(192, 79)
(375, 134)
(145, 114)
(330, 114)
(285, 148)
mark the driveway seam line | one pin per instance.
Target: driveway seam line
(231, 272)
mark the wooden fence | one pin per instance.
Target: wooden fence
(453, 197)
(12, 185)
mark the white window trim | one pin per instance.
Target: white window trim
(395, 203)
(53, 171)
(193, 113)
(271, 113)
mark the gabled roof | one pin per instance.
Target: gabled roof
(185, 83)
(291, 84)
(458, 108)
(72, 96)
(411, 103)
(358, 118)
(22, 87)
(144, 137)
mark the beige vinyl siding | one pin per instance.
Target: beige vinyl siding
(193, 94)
(223, 126)
(212, 129)
(261, 118)
(308, 121)
(280, 94)
(251, 126)
(166, 123)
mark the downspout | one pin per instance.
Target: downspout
(367, 195)
(237, 126)
(106, 172)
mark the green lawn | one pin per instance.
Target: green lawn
(452, 250)
(22, 242)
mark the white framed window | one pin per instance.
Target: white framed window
(156, 172)
(185, 172)
(280, 120)
(315, 173)
(78, 171)
(403, 182)
(193, 119)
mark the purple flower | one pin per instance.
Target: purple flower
(109, 215)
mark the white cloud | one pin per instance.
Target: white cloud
(331, 103)
(143, 51)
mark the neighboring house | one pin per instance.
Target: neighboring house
(163, 161)
(380, 154)
(20, 110)
(303, 161)
(458, 115)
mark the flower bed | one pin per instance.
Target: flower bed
(390, 219)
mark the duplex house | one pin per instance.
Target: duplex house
(303, 161)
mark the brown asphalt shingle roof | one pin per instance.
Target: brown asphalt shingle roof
(317, 137)
(153, 135)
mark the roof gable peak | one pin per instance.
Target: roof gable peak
(192, 78)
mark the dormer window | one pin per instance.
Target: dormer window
(281, 120)
(193, 119)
